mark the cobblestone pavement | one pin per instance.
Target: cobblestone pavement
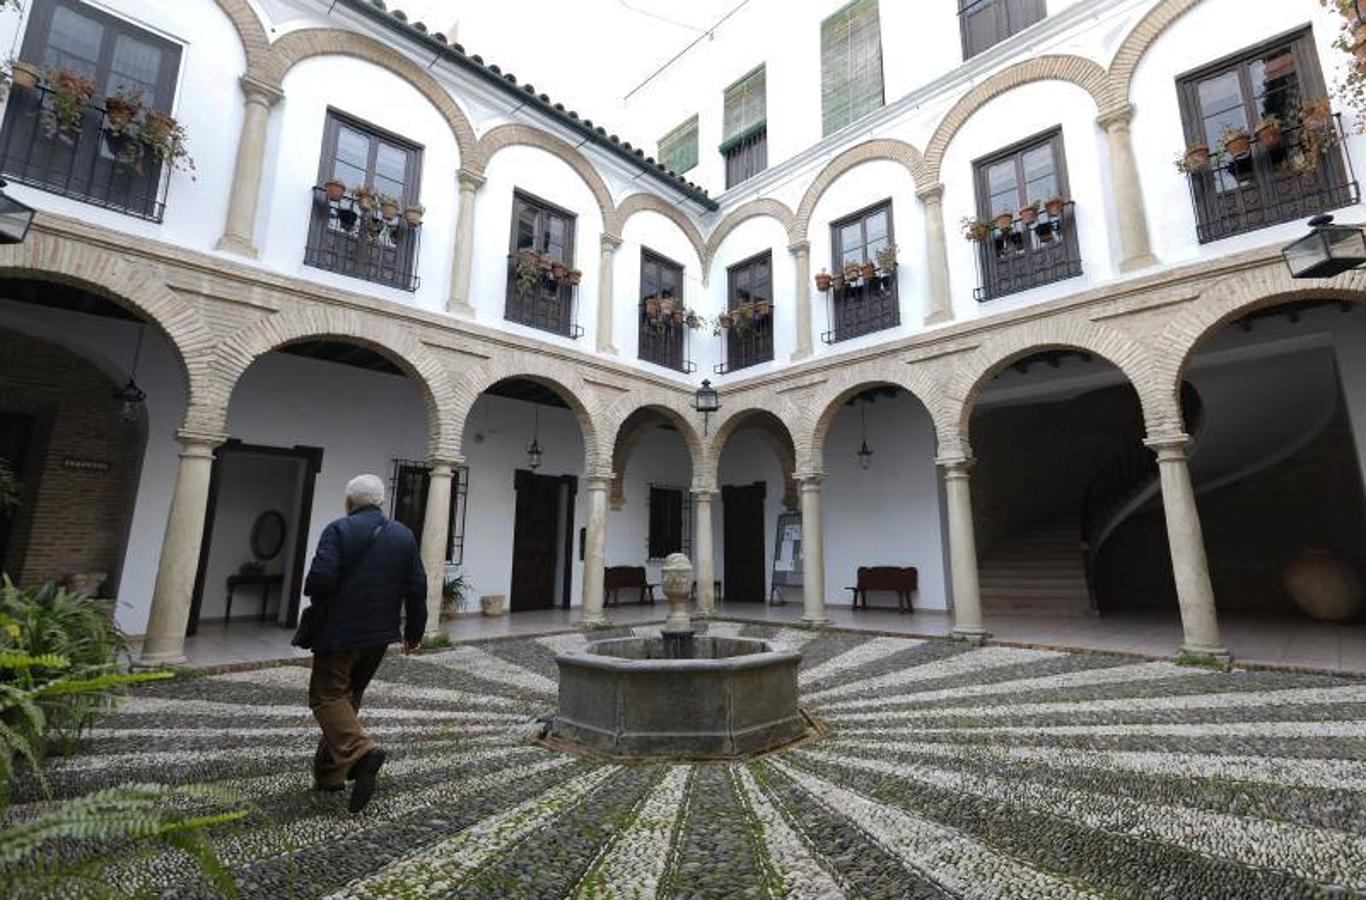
(949, 771)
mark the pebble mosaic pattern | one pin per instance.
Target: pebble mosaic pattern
(948, 771)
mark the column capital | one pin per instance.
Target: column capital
(930, 193)
(1169, 447)
(610, 242)
(599, 480)
(809, 480)
(797, 248)
(469, 179)
(1115, 116)
(703, 491)
(955, 466)
(191, 438)
(262, 92)
(450, 462)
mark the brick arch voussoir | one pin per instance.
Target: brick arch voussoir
(1136, 43)
(764, 206)
(252, 34)
(1132, 358)
(525, 136)
(868, 151)
(823, 409)
(786, 414)
(385, 337)
(637, 203)
(297, 46)
(1075, 69)
(671, 406)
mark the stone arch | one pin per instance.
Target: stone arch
(834, 394)
(1078, 70)
(976, 371)
(393, 341)
(560, 377)
(764, 206)
(629, 422)
(650, 203)
(882, 148)
(297, 46)
(1136, 43)
(775, 432)
(252, 34)
(522, 135)
(124, 281)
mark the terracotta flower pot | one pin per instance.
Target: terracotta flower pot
(389, 209)
(335, 189)
(1325, 586)
(823, 281)
(413, 216)
(1197, 158)
(575, 276)
(851, 272)
(118, 113)
(1268, 135)
(1028, 214)
(1053, 206)
(557, 270)
(25, 75)
(1238, 144)
(868, 270)
(1004, 220)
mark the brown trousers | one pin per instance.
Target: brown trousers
(334, 694)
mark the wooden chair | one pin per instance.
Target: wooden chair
(616, 578)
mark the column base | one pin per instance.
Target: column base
(609, 350)
(815, 622)
(595, 623)
(460, 309)
(159, 661)
(234, 244)
(939, 316)
(800, 354)
(976, 636)
(1208, 657)
(1142, 261)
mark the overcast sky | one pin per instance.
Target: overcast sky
(586, 54)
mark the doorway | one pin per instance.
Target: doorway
(251, 562)
(16, 443)
(743, 542)
(542, 540)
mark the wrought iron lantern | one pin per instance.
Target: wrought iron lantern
(865, 455)
(130, 395)
(15, 218)
(707, 401)
(1326, 250)
(533, 451)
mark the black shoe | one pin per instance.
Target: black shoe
(327, 788)
(364, 772)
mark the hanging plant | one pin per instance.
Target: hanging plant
(575, 276)
(1194, 160)
(975, 229)
(886, 259)
(693, 319)
(388, 207)
(545, 262)
(335, 189)
(528, 270)
(413, 214)
(724, 320)
(121, 109)
(822, 280)
(69, 96)
(164, 139)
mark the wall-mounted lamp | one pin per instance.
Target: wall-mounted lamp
(15, 218)
(1326, 250)
(706, 402)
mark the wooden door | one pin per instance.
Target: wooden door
(743, 542)
(535, 550)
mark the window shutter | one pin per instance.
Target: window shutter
(745, 108)
(678, 148)
(851, 65)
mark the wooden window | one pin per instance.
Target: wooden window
(668, 517)
(862, 305)
(662, 326)
(541, 228)
(91, 162)
(348, 236)
(985, 23)
(749, 300)
(1036, 246)
(408, 493)
(678, 148)
(851, 65)
(1300, 173)
(744, 139)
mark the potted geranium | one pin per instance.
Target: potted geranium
(365, 198)
(70, 93)
(724, 320)
(25, 75)
(1003, 220)
(1237, 142)
(822, 280)
(975, 229)
(528, 270)
(388, 207)
(886, 259)
(1268, 131)
(1053, 206)
(852, 271)
(413, 213)
(164, 138)
(121, 109)
(652, 307)
(1195, 159)
(335, 189)
(1029, 213)
(693, 319)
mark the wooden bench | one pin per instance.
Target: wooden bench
(900, 580)
(631, 578)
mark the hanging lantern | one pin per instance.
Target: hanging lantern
(865, 455)
(130, 395)
(533, 451)
(706, 401)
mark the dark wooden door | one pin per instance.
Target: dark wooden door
(15, 433)
(535, 550)
(743, 542)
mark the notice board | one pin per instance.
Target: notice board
(787, 557)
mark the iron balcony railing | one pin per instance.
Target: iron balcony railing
(1029, 252)
(747, 342)
(550, 304)
(1292, 172)
(665, 339)
(90, 161)
(861, 305)
(353, 236)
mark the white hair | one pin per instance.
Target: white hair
(364, 490)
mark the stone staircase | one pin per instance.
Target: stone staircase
(1039, 571)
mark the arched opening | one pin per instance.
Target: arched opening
(91, 393)
(651, 511)
(303, 419)
(882, 510)
(1276, 461)
(1057, 436)
(524, 449)
(759, 557)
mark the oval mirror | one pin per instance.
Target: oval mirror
(268, 534)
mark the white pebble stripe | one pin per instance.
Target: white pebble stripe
(1189, 729)
(960, 664)
(860, 655)
(803, 877)
(635, 862)
(380, 688)
(484, 665)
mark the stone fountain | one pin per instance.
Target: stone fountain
(680, 694)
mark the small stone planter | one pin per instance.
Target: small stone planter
(492, 604)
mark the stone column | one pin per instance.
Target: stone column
(1135, 250)
(164, 643)
(239, 232)
(459, 303)
(813, 551)
(967, 596)
(801, 252)
(610, 243)
(435, 535)
(941, 303)
(1194, 593)
(595, 542)
(704, 551)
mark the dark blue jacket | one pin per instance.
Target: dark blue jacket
(361, 609)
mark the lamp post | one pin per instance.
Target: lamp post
(707, 401)
(15, 218)
(1326, 250)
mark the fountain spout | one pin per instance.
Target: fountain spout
(678, 631)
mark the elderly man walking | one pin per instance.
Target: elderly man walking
(366, 570)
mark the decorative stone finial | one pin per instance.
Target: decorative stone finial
(677, 577)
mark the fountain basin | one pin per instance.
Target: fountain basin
(735, 697)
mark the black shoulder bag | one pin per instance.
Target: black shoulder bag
(311, 619)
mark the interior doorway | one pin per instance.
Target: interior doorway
(542, 540)
(743, 542)
(16, 449)
(255, 534)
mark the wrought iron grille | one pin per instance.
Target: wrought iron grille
(547, 302)
(1029, 253)
(862, 306)
(93, 161)
(747, 343)
(665, 339)
(354, 236)
(408, 502)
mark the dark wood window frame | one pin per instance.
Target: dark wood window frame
(408, 502)
(866, 305)
(1264, 187)
(662, 338)
(997, 19)
(87, 167)
(346, 239)
(1027, 254)
(549, 305)
(669, 515)
(752, 345)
